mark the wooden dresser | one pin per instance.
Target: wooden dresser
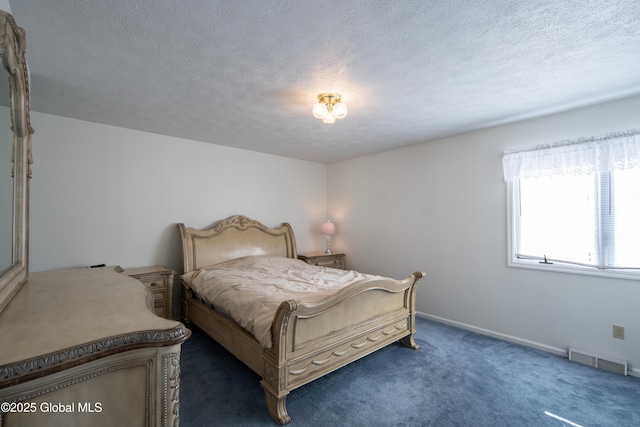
(84, 347)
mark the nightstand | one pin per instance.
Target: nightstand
(335, 260)
(160, 280)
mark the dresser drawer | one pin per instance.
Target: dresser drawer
(334, 263)
(156, 285)
(324, 260)
(159, 295)
(159, 280)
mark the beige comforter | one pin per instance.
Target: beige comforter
(250, 289)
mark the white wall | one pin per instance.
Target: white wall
(102, 194)
(441, 207)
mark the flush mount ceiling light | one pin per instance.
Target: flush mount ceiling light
(329, 108)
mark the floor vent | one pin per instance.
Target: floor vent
(599, 362)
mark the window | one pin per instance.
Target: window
(575, 206)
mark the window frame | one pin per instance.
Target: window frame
(558, 267)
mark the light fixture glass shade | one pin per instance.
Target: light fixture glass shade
(319, 110)
(340, 110)
(329, 118)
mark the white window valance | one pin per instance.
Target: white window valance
(582, 156)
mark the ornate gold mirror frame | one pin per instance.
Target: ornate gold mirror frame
(12, 53)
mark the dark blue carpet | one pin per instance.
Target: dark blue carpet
(456, 378)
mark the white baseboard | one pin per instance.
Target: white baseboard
(635, 372)
(505, 337)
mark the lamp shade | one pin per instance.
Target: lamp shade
(328, 228)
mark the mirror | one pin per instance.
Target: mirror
(15, 159)
(6, 184)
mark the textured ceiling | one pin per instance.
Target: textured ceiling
(246, 73)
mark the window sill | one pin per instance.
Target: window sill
(559, 267)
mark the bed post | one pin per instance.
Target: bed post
(274, 379)
(186, 294)
(408, 340)
(277, 406)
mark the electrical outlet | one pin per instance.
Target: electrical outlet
(618, 332)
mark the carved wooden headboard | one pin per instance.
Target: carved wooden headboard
(232, 238)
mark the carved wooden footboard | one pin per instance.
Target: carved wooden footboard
(313, 340)
(309, 340)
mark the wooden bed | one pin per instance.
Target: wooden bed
(309, 341)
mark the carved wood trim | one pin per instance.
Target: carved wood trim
(47, 364)
(12, 55)
(239, 221)
(154, 274)
(13, 45)
(171, 390)
(361, 345)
